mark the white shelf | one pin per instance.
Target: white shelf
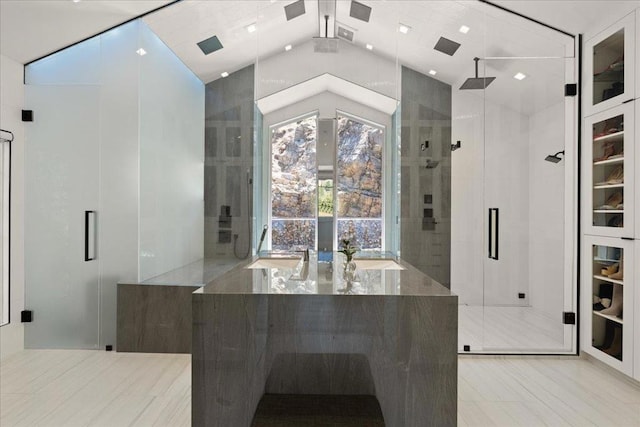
(609, 161)
(607, 316)
(606, 279)
(608, 211)
(607, 260)
(605, 186)
(618, 136)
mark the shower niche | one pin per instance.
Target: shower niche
(609, 170)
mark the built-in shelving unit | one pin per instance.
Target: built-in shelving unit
(609, 168)
(611, 197)
(605, 274)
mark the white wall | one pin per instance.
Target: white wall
(351, 63)
(491, 170)
(11, 104)
(171, 161)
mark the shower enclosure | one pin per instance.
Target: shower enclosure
(514, 196)
(467, 196)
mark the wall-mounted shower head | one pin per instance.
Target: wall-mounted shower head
(554, 158)
(477, 82)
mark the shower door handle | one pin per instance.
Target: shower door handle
(89, 235)
(494, 232)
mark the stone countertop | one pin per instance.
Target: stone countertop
(323, 278)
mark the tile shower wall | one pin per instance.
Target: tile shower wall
(229, 122)
(426, 174)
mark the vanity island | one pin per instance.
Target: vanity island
(281, 324)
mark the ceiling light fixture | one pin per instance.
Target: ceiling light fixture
(224, 74)
(251, 28)
(76, 1)
(519, 76)
(369, 46)
(140, 51)
(464, 29)
(404, 29)
(288, 47)
(433, 72)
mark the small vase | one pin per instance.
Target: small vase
(349, 270)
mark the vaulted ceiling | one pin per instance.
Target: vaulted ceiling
(33, 28)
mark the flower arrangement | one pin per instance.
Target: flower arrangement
(348, 250)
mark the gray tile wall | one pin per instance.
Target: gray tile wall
(229, 122)
(426, 116)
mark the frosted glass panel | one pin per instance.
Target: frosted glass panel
(77, 65)
(171, 160)
(60, 185)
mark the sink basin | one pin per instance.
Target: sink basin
(276, 262)
(377, 264)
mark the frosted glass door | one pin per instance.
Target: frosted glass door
(61, 185)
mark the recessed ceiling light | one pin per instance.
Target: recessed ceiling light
(76, 1)
(433, 72)
(464, 29)
(140, 51)
(224, 74)
(519, 76)
(288, 47)
(251, 28)
(369, 46)
(404, 29)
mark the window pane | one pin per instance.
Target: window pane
(293, 169)
(325, 197)
(359, 167)
(293, 234)
(361, 233)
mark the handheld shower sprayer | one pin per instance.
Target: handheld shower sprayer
(264, 233)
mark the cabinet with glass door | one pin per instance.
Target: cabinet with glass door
(609, 60)
(609, 301)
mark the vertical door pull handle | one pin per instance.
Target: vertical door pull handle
(494, 232)
(89, 235)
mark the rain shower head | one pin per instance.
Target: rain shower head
(477, 82)
(554, 158)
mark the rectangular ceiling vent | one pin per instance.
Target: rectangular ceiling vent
(360, 11)
(210, 45)
(447, 46)
(346, 33)
(294, 9)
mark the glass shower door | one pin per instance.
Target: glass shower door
(61, 188)
(527, 266)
